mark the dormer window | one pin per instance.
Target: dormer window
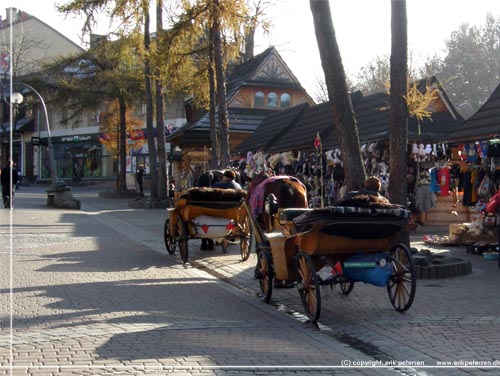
(272, 99)
(285, 100)
(259, 100)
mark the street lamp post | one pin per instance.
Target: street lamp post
(19, 98)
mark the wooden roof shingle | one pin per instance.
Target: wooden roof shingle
(271, 128)
(482, 125)
(372, 117)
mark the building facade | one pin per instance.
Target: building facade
(33, 43)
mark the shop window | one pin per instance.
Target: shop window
(272, 99)
(259, 99)
(285, 100)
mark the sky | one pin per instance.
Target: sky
(362, 28)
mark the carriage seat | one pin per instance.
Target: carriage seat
(354, 222)
(207, 194)
(215, 202)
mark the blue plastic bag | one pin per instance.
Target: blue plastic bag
(369, 268)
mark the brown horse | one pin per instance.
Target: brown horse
(289, 191)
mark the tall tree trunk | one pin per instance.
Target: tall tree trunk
(160, 124)
(249, 43)
(122, 181)
(338, 94)
(221, 89)
(399, 112)
(149, 106)
(214, 150)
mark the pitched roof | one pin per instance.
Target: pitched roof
(301, 135)
(483, 124)
(272, 127)
(372, 116)
(243, 72)
(373, 120)
(23, 16)
(240, 120)
(246, 74)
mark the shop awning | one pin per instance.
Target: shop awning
(26, 124)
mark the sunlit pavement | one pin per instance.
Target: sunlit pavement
(92, 292)
(96, 288)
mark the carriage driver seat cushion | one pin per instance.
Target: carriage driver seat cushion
(214, 194)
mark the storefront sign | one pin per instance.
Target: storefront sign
(74, 139)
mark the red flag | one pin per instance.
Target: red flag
(317, 141)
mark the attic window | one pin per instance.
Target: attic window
(259, 99)
(272, 99)
(285, 100)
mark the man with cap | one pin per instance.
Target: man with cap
(228, 181)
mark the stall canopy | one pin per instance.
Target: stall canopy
(483, 125)
(296, 128)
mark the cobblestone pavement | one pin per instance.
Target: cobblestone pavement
(95, 293)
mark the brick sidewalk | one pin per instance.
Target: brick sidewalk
(94, 293)
(445, 311)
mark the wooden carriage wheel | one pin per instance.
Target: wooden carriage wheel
(346, 286)
(183, 240)
(265, 274)
(308, 285)
(402, 283)
(169, 238)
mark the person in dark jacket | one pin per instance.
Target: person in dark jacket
(139, 176)
(228, 181)
(8, 184)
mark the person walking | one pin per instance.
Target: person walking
(9, 177)
(139, 174)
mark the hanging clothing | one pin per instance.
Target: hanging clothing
(494, 148)
(467, 197)
(425, 199)
(487, 186)
(483, 149)
(474, 177)
(435, 187)
(444, 181)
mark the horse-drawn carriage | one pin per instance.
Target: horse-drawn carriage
(337, 245)
(208, 213)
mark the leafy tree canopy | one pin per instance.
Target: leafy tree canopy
(469, 68)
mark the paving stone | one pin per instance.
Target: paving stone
(103, 286)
